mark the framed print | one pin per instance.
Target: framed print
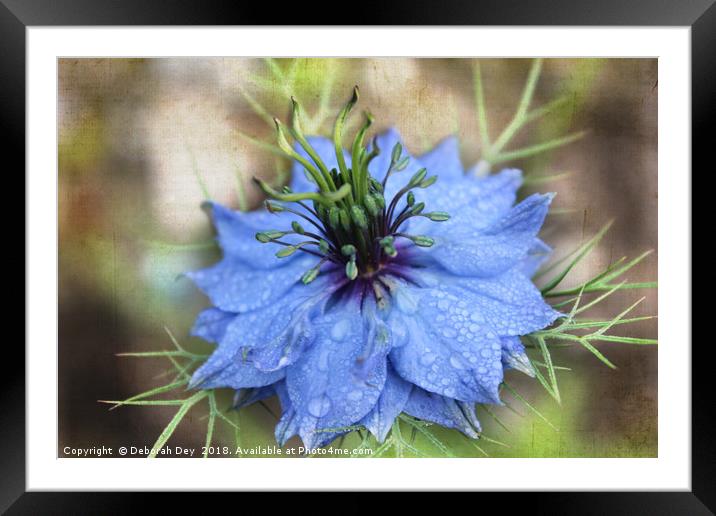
(450, 255)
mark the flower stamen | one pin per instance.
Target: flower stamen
(356, 227)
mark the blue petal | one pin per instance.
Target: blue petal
(227, 367)
(288, 425)
(234, 286)
(237, 235)
(509, 303)
(538, 254)
(281, 332)
(328, 386)
(465, 249)
(444, 161)
(325, 149)
(282, 328)
(211, 324)
(443, 350)
(444, 411)
(477, 202)
(390, 404)
(515, 357)
(246, 397)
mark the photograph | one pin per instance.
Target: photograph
(427, 248)
(357, 257)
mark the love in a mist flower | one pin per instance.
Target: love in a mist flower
(400, 285)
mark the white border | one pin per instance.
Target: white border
(670, 471)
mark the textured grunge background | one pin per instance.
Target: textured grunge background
(140, 141)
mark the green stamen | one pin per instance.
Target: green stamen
(397, 151)
(267, 236)
(438, 216)
(352, 269)
(297, 228)
(419, 240)
(418, 208)
(286, 251)
(310, 275)
(379, 200)
(418, 177)
(402, 164)
(371, 205)
(359, 216)
(428, 182)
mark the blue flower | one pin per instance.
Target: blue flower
(374, 306)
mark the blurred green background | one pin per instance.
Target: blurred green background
(143, 141)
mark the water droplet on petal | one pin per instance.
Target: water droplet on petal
(323, 360)
(428, 359)
(319, 407)
(340, 330)
(456, 362)
(449, 333)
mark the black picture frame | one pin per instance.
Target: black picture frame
(700, 15)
